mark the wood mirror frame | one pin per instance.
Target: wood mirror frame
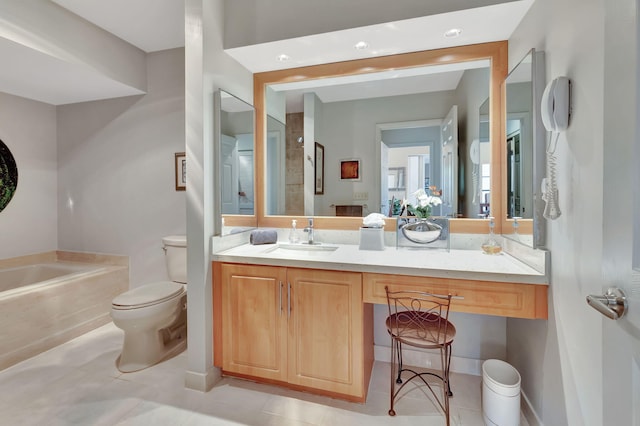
(496, 52)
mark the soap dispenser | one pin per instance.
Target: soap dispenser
(293, 233)
(491, 244)
(516, 225)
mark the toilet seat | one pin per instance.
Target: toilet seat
(147, 295)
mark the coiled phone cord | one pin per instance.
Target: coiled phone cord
(550, 183)
(475, 179)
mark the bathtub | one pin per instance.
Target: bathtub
(27, 278)
(45, 304)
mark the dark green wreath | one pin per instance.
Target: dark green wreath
(8, 176)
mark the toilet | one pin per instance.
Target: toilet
(154, 316)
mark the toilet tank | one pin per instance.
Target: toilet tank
(175, 255)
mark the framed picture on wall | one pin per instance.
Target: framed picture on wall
(319, 169)
(350, 169)
(181, 171)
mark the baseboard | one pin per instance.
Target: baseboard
(528, 411)
(202, 382)
(426, 359)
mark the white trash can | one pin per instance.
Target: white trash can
(500, 393)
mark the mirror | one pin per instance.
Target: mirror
(480, 155)
(524, 150)
(236, 162)
(359, 138)
(419, 110)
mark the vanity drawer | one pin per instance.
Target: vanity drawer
(478, 297)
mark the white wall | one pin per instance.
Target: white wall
(54, 31)
(208, 69)
(560, 359)
(28, 224)
(116, 171)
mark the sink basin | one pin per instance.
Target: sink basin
(302, 249)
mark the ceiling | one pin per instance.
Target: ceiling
(478, 25)
(150, 25)
(153, 25)
(34, 73)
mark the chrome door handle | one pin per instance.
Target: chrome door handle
(280, 297)
(613, 304)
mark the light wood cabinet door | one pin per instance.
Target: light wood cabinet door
(254, 329)
(326, 330)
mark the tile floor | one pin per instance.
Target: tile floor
(77, 384)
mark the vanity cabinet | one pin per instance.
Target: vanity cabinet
(308, 328)
(515, 300)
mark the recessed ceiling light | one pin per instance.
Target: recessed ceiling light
(361, 45)
(283, 58)
(453, 32)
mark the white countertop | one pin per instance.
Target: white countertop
(460, 264)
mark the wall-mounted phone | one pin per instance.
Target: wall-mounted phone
(555, 109)
(474, 151)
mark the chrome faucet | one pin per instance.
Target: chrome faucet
(309, 230)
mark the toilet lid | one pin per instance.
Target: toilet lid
(148, 294)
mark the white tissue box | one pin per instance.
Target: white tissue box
(371, 238)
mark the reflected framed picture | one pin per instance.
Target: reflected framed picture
(319, 169)
(181, 171)
(350, 169)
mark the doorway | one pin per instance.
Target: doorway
(409, 160)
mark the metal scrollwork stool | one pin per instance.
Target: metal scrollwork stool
(420, 320)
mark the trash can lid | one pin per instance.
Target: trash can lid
(501, 377)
